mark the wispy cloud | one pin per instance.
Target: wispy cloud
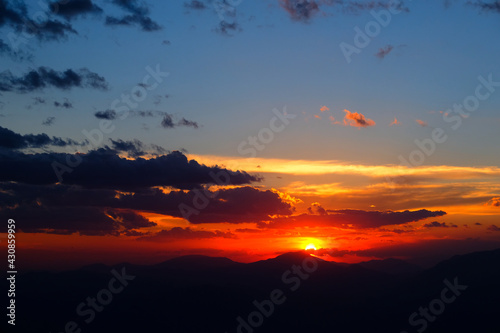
(395, 122)
(422, 123)
(384, 51)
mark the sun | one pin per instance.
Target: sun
(310, 247)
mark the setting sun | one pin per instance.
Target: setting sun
(310, 247)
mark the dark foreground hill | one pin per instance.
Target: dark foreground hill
(293, 292)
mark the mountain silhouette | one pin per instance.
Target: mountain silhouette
(294, 292)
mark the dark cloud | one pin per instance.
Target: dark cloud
(39, 100)
(88, 221)
(187, 123)
(225, 28)
(493, 228)
(240, 205)
(49, 121)
(108, 114)
(133, 148)
(11, 140)
(300, 10)
(167, 121)
(65, 104)
(70, 9)
(382, 52)
(104, 168)
(359, 6)
(187, 233)
(138, 15)
(349, 218)
(236, 205)
(44, 77)
(436, 224)
(195, 4)
(492, 6)
(305, 10)
(15, 15)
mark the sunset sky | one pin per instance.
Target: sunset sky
(140, 131)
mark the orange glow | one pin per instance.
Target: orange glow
(310, 247)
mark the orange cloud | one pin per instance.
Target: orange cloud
(395, 122)
(332, 120)
(495, 202)
(422, 123)
(356, 119)
(324, 108)
(316, 116)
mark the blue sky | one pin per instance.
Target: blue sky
(230, 84)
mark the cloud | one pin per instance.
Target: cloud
(187, 123)
(233, 205)
(133, 148)
(305, 10)
(395, 122)
(177, 233)
(422, 123)
(11, 140)
(89, 221)
(107, 114)
(436, 224)
(350, 218)
(382, 52)
(136, 148)
(487, 6)
(494, 202)
(14, 14)
(44, 77)
(300, 10)
(356, 119)
(104, 168)
(138, 15)
(324, 108)
(49, 121)
(17, 55)
(195, 4)
(358, 6)
(224, 28)
(73, 8)
(493, 228)
(66, 104)
(167, 121)
(242, 205)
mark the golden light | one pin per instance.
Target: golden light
(310, 247)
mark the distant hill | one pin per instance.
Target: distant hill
(293, 292)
